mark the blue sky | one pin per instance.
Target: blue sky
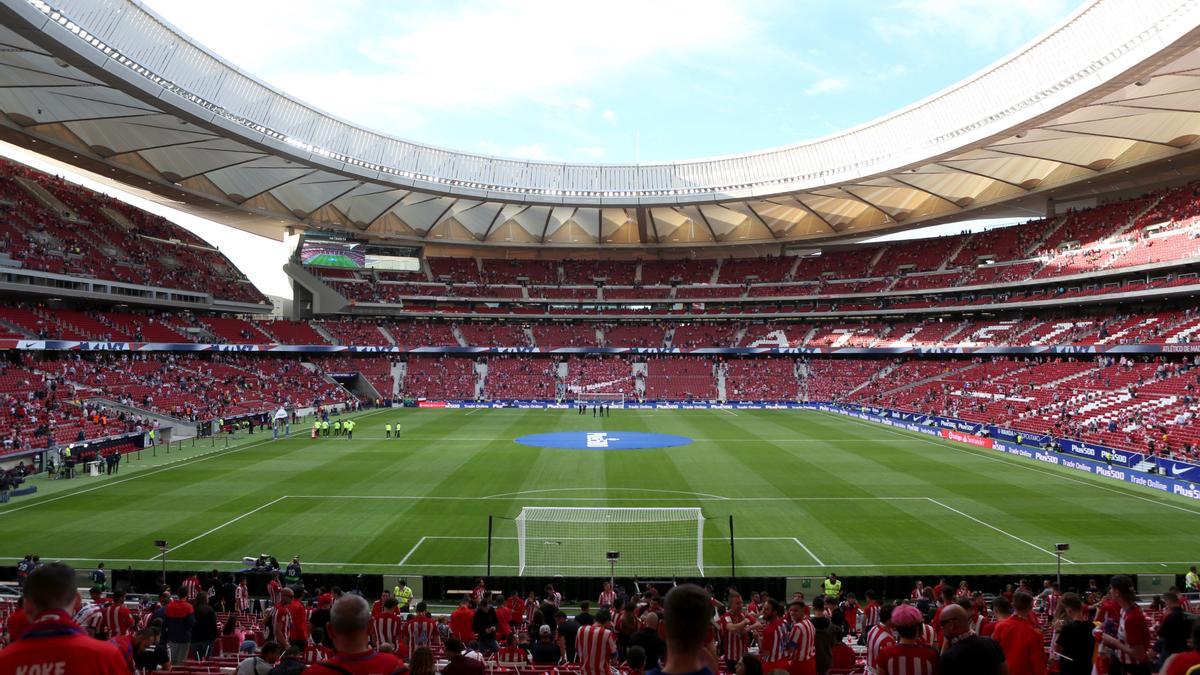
(618, 81)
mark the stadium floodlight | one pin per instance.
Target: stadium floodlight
(578, 541)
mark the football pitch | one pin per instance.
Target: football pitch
(809, 493)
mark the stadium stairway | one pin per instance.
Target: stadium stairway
(180, 428)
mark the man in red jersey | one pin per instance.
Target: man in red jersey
(241, 597)
(274, 590)
(596, 645)
(908, 656)
(385, 628)
(880, 637)
(772, 644)
(1021, 639)
(17, 622)
(377, 607)
(1132, 642)
(504, 618)
(54, 644)
(802, 641)
(296, 628)
(190, 587)
(607, 596)
(421, 630)
(870, 612)
(462, 621)
(116, 619)
(350, 627)
(733, 631)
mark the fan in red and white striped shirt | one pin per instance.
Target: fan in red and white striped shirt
(421, 629)
(772, 644)
(879, 638)
(191, 587)
(607, 596)
(116, 620)
(241, 597)
(386, 628)
(802, 641)
(274, 590)
(733, 630)
(596, 645)
(928, 636)
(908, 656)
(870, 612)
(282, 623)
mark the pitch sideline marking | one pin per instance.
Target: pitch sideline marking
(993, 527)
(1007, 460)
(810, 553)
(505, 566)
(626, 499)
(728, 411)
(228, 522)
(413, 549)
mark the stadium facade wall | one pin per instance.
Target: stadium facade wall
(1046, 350)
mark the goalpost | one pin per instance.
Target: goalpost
(574, 541)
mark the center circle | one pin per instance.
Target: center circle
(603, 440)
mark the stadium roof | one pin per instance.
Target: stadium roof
(112, 87)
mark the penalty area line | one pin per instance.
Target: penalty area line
(993, 527)
(228, 522)
(413, 549)
(809, 552)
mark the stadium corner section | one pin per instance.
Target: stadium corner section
(161, 458)
(1061, 453)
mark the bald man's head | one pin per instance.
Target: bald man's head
(351, 615)
(955, 620)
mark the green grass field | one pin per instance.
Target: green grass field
(810, 492)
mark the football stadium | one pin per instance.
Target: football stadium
(914, 393)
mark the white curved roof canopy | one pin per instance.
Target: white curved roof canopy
(1111, 87)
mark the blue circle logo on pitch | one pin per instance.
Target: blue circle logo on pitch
(604, 440)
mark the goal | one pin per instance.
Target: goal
(574, 541)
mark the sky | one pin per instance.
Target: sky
(618, 81)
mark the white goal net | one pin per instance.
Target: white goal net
(574, 541)
(593, 397)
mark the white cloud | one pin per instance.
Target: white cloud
(262, 35)
(609, 115)
(411, 63)
(827, 85)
